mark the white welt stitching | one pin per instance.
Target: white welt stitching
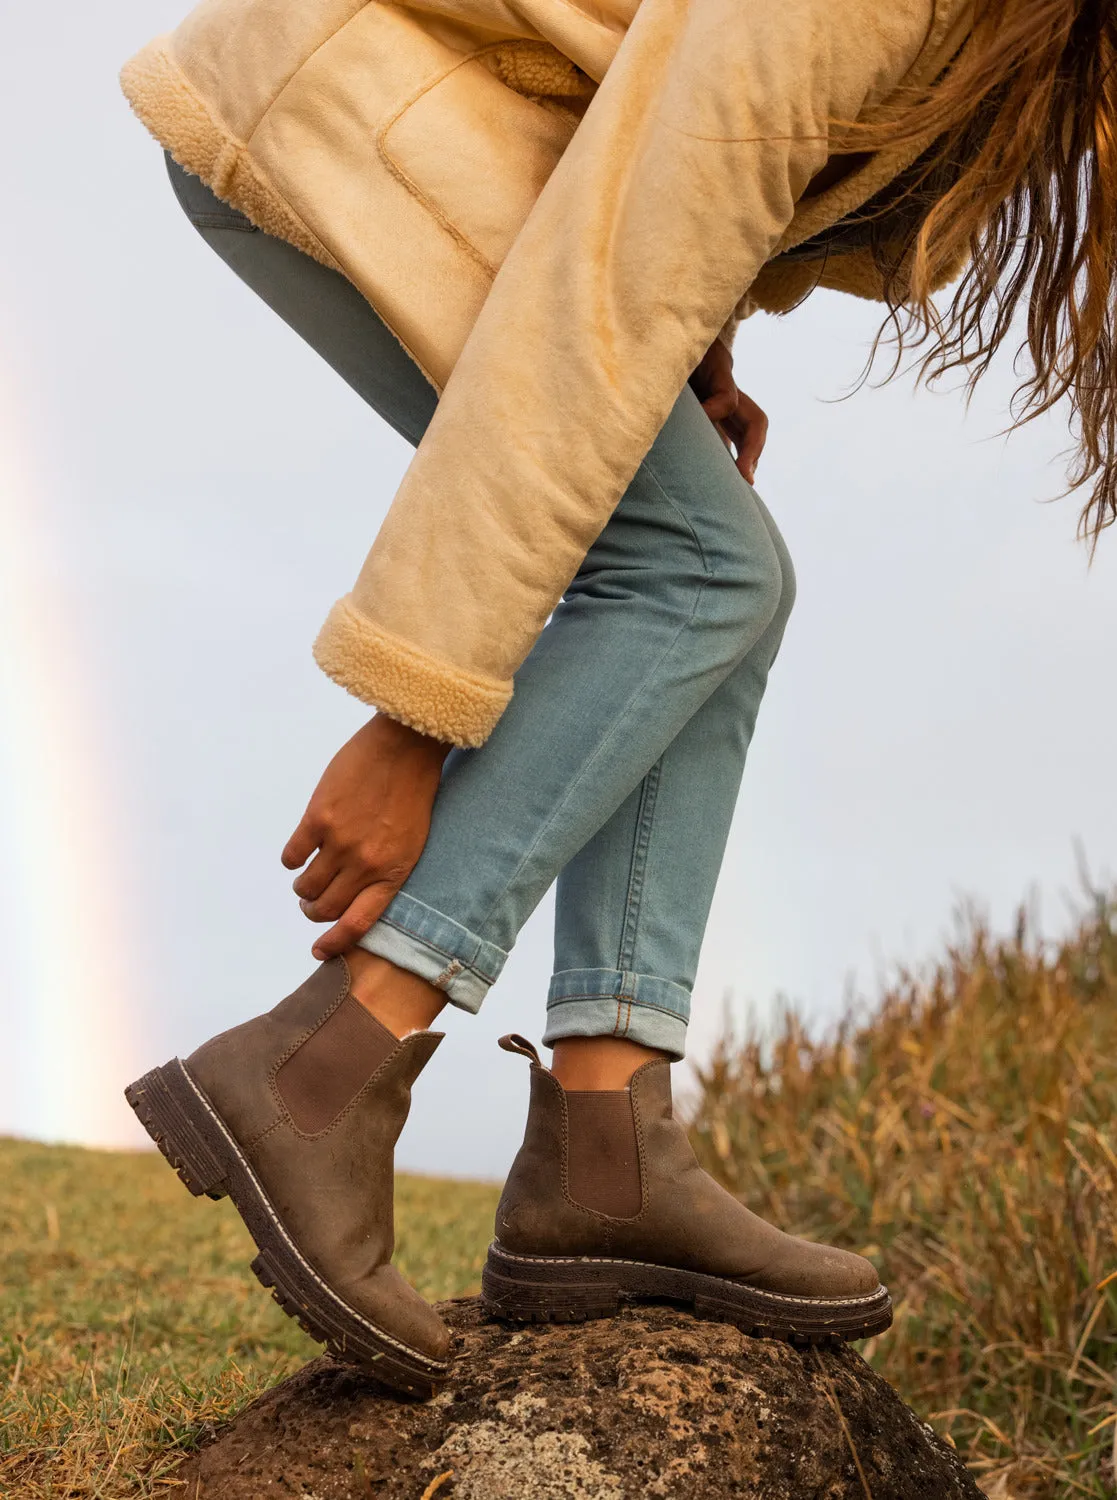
(435, 1364)
(612, 1260)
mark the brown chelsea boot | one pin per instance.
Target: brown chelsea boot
(295, 1116)
(606, 1203)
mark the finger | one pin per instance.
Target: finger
(723, 396)
(738, 444)
(302, 843)
(362, 913)
(749, 430)
(748, 456)
(318, 874)
(721, 402)
(755, 420)
(733, 432)
(347, 885)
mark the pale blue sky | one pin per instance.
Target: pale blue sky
(185, 488)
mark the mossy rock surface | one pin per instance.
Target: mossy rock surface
(651, 1403)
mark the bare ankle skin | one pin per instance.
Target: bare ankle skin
(398, 999)
(600, 1062)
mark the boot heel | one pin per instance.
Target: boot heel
(168, 1108)
(537, 1289)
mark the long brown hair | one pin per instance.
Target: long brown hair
(1021, 181)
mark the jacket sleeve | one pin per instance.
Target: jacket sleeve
(673, 192)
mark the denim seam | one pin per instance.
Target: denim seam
(648, 468)
(614, 730)
(699, 594)
(637, 870)
(438, 948)
(631, 999)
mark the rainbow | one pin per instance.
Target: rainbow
(72, 1030)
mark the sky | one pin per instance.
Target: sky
(184, 490)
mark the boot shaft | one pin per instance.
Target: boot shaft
(574, 1190)
(586, 1175)
(306, 1062)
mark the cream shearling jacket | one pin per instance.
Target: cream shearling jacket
(555, 205)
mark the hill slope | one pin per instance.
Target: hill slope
(964, 1135)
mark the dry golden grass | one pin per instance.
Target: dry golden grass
(963, 1136)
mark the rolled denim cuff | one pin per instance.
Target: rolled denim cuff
(614, 1002)
(416, 937)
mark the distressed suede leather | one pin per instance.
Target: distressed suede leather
(333, 1187)
(556, 205)
(685, 1220)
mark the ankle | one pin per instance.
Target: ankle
(400, 1000)
(600, 1063)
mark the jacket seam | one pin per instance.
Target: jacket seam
(299, 66)
(409, 183)
(238, 153)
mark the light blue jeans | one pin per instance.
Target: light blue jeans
(616, 767)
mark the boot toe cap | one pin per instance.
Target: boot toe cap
(831, 1272)
(808, 1270)
(395, 1307)
(853, 1275)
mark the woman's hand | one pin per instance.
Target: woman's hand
(741, 423)
(368, 820)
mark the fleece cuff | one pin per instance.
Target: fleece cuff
(168, 104)
(430, 694)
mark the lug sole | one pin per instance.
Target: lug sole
(571, 1289)
(196, 1142)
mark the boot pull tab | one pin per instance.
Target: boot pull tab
(520, 1044)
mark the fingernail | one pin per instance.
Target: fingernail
(304, 904)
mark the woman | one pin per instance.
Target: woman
(524, 231)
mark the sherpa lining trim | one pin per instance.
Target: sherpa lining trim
(381, 669)
(176, 115)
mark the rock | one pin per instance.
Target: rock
(651, 1403)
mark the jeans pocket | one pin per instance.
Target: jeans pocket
(202, 207)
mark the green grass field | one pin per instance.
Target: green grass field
(130, 1323)
(962, 1133)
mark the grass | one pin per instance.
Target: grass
(130, 1324)
(961, 1133)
